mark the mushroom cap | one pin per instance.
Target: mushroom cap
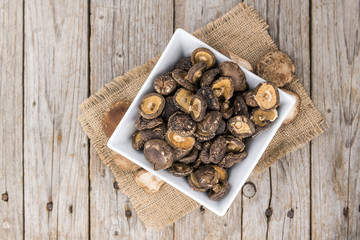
(179, 169)
(266, 94)
(219, 191)
(204, 153)
(113, 115)
(151, 105)
(184, 63)
(207, 176)
(204, 136)
(232, 158)
(217, 150)
(241, 61)
(181, 124)
(203, 55)
(240, 107)
(223, 88)
(170, 108)
(197, 108)
(241, 126)
(221, 129)
(196, 71)
(263, 118)
(276, 67)
(231, 69)
(249, 99)
(211, 100)
(210, 123)
(177, 141)
(158, 153)
(208, 77)
(223, 174)
(180, 76)
(295, 109)
(182, 99)
(234, 144)
(148, 181)
(194, 184)
(191, 157)
(143, 123)
(165, 84)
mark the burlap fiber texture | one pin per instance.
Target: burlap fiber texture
(241, 25)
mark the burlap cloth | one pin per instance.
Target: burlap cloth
(241, 31)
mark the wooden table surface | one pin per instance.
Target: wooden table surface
(53, 184)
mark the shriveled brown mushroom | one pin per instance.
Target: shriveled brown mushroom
(226, 110)
(164, 84)
(240, 107)
(180, 169)
(223, 175)
(194, 184)
(217, 150)
(210, 123)
(170, 108)
(204, 153)
(206, 176)
(276, 67)
(203, 55)
(196, 72)
(267, 96)
(249, 99)
(294, 112)
(151, 105)
(241, 61)
(232, 158)
(143, 123)
(158, 153)
(219, 191)
(180, 153)
(204, 136)
(208, 77)
(193, 155)
(241, 126)
(233, 144)
(222, 127)
(113, 115)
(180, 76)
(263, 119)
(211, 100)
(177, 141)
(184, 64)
(182, 99)
(223, 88)
(181, 124)
(148, 181)
(140, 137)
(198, 107)
(231, 69)
(123, 163)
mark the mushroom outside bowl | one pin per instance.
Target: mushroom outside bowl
(182, 44)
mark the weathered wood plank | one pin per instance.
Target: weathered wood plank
(55, 147)
(124, 34)
(11, 119)
(335, 154)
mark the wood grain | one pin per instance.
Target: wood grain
(55, 147)
(11, 119)
(124, 35)
(335, 86)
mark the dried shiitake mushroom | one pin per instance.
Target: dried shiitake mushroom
(204, 153)
(196, 72)
(113, 115)
(140, 137)
(151, 105)
(194, 184)
(294, 110)
(180, 169)
(226, 110)
(210, 123)
(249, 99)
(148, 181)
(143, 123)
(203, 55)
(170, 108)
(184, 64)
(240, 107)
(158, 153)
(276, 67)
(233, 144)
(223, 175)
(267, 96)
(177, 141)
(211, 100)
(198, 107)
(180, 153)
(217, 150)
(180, 76)
(208, 77)
(219, 191)
(231, 69)
(241, 126)
(262, 118)
(123, 163)
(223, 88)
(222, 127)
(191, 157)
(232, 158)
(164, 84)
(182, 99)
(241, 61)
(206, 176)
(204, 136)
(181, 124)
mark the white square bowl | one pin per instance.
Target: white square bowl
(180, 45)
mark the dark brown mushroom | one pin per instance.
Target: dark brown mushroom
(181, 124)
(198, 107)
(180, 153)
(267, 96)
(184, 63)
(240, 107)
(177, 141)
(221, 129)
(241, 126)
(140, 137)
(151, 105)
(196, 72)
(217, 150)
(203, 136)
(232, 158)
(180, 76)
(194, 184)
(226, 110)
(198, 145)
(206, 176)
(158, 153)
(170, 108)
(263, 119)
(164, 84)
(193, 155)
(208, 77)
(223, 174)
(204, 153)
(234, 144)
(196, 164)
(231, 69)
(180, 169)
(210, 123)
(143, 123)
(219, 191)
(203, 55)
(113, 115)
(223, 88)
(211, 100)
(249, 99)
(182, 99)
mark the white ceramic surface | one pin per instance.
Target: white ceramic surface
(181, 45)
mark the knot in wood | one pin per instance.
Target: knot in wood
(249, 189)
(5, 197)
